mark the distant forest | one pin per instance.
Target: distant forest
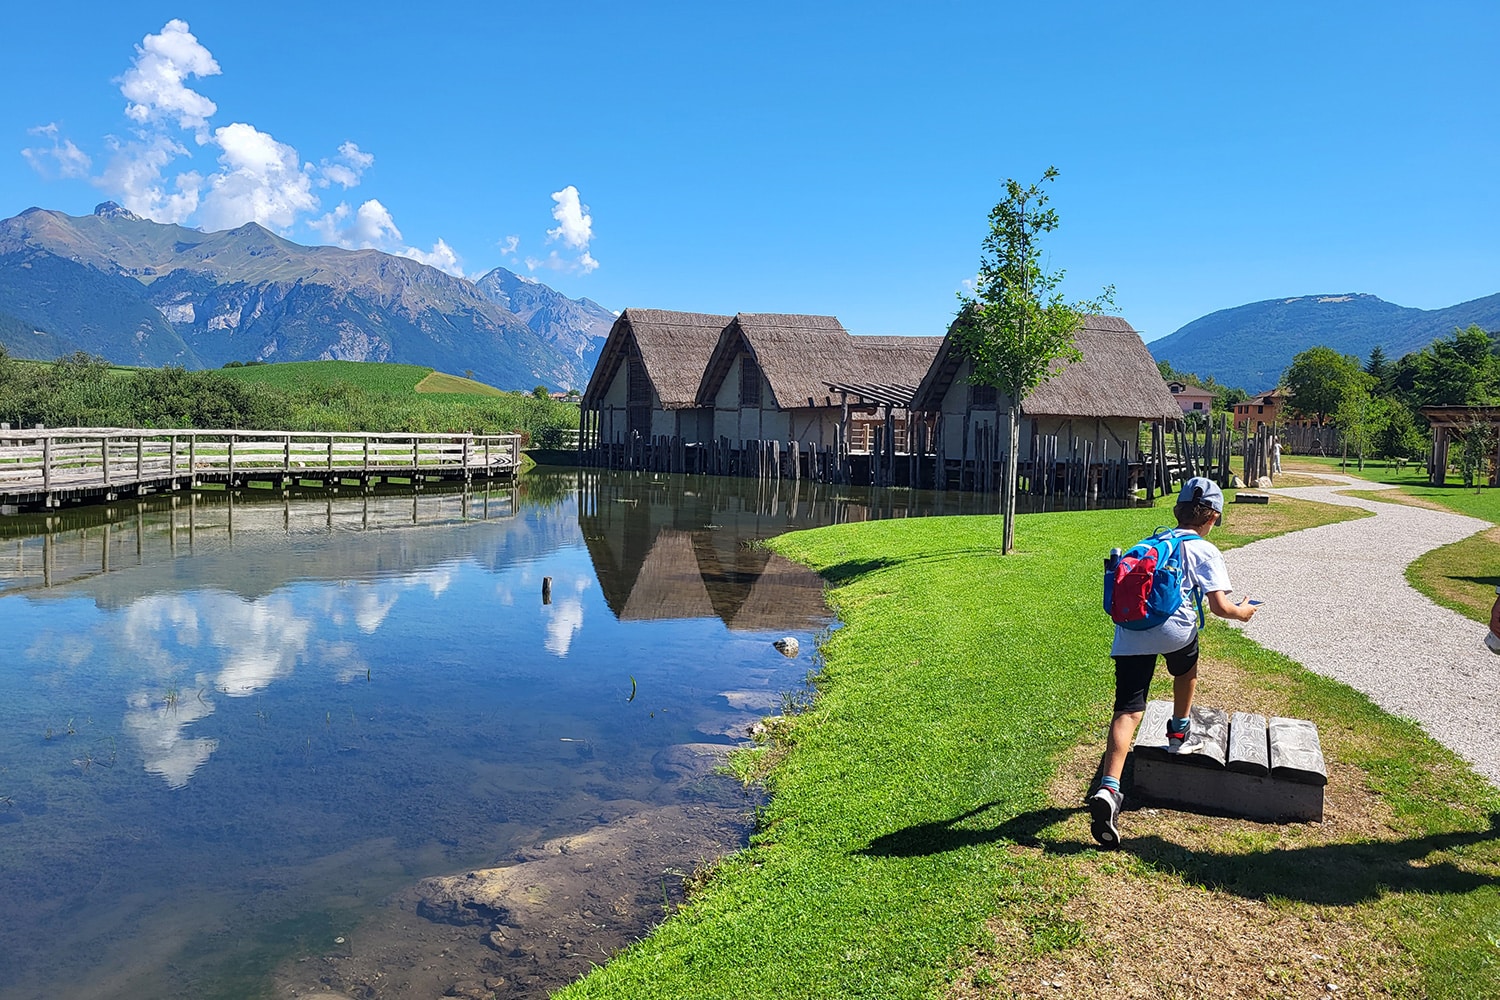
(1376, 401)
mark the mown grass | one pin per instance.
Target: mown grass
(900, 803)
(456, 385)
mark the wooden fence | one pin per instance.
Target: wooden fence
(1063, 467)
(51, 466)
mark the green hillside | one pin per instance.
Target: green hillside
(1250, 346)
(367, 376)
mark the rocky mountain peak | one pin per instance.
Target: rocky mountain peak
(110, 210)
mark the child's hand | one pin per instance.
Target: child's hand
(1220, 604)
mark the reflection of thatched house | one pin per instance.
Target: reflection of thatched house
(669, 583)
(788, 378)
(685, 574)
(1099, 401)
(646, 380)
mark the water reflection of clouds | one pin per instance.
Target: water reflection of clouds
(234, 646)
(157, 728)
(564, 617)
(368, 604)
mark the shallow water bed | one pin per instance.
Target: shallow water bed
(233, 732)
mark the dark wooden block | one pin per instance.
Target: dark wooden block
(1296, 753)
(1249, 746)
(1233, 765)
(1228, 793)
(1243, 497)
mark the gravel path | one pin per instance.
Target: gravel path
(1338, 603)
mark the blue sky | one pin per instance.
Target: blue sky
(793, 157)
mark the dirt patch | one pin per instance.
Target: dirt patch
(1145, 938)
(1394, 496)
(1245, 523)
(547, 914)
(1287, 480)
(1125, 925)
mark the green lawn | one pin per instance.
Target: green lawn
(914, 805)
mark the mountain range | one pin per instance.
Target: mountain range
(1250, 346)
(146, 293)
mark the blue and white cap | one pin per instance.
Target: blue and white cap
(1198, 489)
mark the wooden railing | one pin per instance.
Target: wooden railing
(79, 458)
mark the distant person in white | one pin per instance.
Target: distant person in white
(1275, 456)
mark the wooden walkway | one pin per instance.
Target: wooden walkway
(48, 468)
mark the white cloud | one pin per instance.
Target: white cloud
(575, 226)
(371, 226)
(345, 169)
(262, 181)
(555, 261)
(69, 160)
(154, 83)
(256, 177)
(134, 177)
(441, 257)
(508, 245)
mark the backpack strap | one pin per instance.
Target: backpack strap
(1176, 541)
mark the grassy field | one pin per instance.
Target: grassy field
(925, 835)
(455, 385)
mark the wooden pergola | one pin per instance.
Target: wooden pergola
(1448, 422)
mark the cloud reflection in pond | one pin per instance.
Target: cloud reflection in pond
(564, 617)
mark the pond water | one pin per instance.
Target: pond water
(236, 730)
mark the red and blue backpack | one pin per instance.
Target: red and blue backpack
(1143, 587)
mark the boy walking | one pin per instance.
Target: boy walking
(1200, 506)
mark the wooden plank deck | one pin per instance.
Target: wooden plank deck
(50, 467)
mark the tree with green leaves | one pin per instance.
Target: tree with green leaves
(1017, 326)
(1360, 415)
(1318, 378)
(1458, 371)
(1379, 369)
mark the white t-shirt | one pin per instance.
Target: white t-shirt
(1202, 567)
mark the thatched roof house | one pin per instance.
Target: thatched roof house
(648, 371)
(1116, 378)
(782, 376)
(791, 353)
(1099, 401)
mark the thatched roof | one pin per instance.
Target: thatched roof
(801, 356)
(1116, 378)
(672, 347)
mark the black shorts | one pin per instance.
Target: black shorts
(1133, 674)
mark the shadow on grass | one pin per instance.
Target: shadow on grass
(1341, 874)
(844, 572)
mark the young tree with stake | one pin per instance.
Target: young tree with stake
(1018, 326)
